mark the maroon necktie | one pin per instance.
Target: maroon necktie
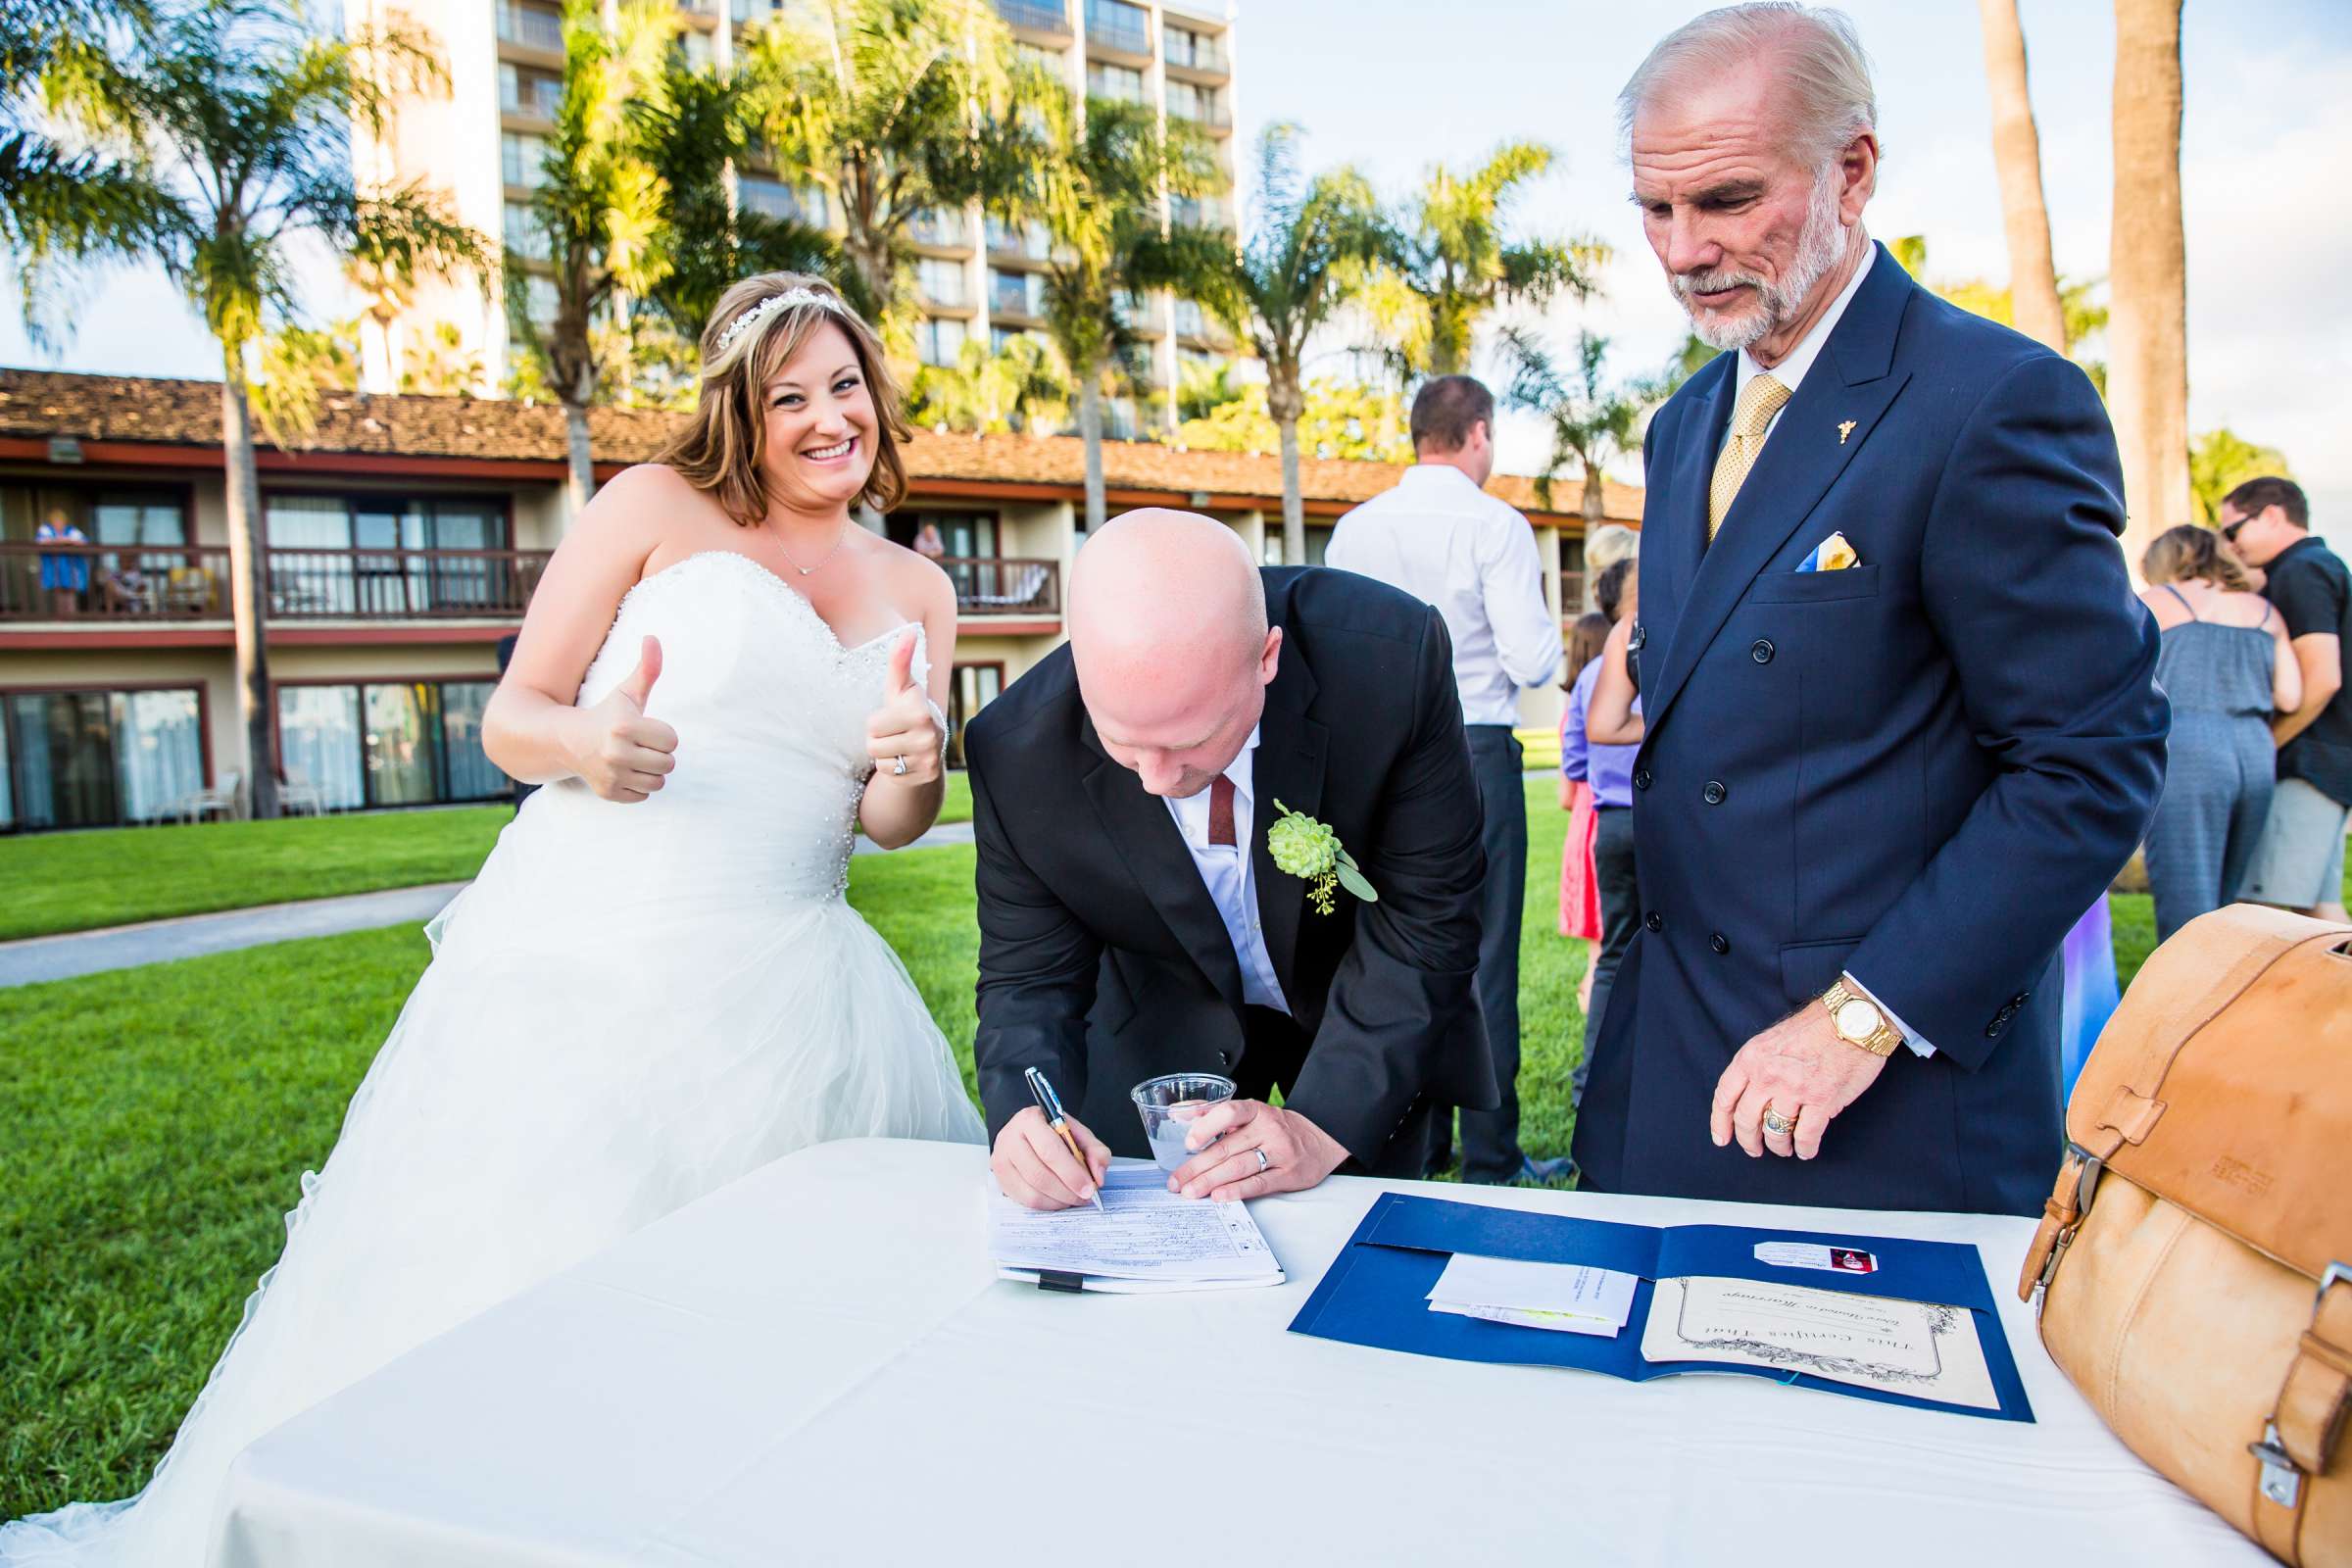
(1220, 811)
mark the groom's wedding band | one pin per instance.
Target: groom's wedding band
(898, 766)
(1262, 1161)
(1775, 1124)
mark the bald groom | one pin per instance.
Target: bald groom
(1132, 922)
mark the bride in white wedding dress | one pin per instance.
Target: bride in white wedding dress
(654, 984)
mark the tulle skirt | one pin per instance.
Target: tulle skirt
(571, 1067)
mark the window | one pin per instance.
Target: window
(1182, 46)
(1572, 577)
(1001, 338)
(1046, 16)
(104, 516)
(971, 688)
(968, 535)
(390, 556)
(521, 159)
(539, 300)
(939, 225)
(535, 26)
(1116, 25)
(1120, 83)
(1201, 105)
(939, 339)
(389, 744)
(941, 281)
(1190, 319)
(1016, 293)
(1037, 57)
(527, 92)
(760, 194)
(1030, 239)
(522, 234)
(97, 759)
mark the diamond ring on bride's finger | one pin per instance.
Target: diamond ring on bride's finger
(898, 767)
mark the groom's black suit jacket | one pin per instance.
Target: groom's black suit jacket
(1103, 958)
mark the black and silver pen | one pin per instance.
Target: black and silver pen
(1050, 1103)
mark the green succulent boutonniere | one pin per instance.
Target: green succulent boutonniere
(1307, 848)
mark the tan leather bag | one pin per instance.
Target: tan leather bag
(2203, 1303)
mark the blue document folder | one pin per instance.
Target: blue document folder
(1376, 1291)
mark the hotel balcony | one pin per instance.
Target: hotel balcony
(538, 28)
(996, 586)
(1047, 18)
(118, 587)
(1119, 31)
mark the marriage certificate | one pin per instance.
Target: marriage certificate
(1873, 1341)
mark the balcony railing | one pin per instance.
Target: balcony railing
(532, 28)
(1117, 25)
(191, 582)
(1038, 16)
(991, 586)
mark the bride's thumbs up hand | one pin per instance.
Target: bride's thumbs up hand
(902, 736)
(623, 754)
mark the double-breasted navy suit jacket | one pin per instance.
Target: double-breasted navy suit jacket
(1920, 770)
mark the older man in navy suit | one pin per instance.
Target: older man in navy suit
(1902, 726)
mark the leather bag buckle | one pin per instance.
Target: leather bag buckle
(2333, 1275)
(2085, 1184)
(2282, 1481)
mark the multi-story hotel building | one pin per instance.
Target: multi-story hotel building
(977, 277)
(402, 542)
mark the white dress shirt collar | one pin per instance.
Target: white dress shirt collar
(1791, 370)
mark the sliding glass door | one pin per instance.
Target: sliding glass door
(97, 759)
(417, 743)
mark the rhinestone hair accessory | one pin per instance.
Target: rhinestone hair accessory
(769, 307)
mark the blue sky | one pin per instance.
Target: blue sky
(1393, 86)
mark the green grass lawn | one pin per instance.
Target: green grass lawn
(156, 1122)
(115, 876)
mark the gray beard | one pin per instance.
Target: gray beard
(1819, 245)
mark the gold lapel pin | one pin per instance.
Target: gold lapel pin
(1844, 430)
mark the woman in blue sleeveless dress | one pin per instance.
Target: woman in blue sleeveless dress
(2227, 666)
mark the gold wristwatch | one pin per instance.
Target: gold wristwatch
(1858, 1020)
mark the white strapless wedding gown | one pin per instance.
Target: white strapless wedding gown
(632, 1005)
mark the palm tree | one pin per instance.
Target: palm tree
(240, 116)
(2220, 461)
(1097, 189)
(893, 109)
(1590, 421)
(1009, 389)
(2147, 326)
(698, 128)
(60, 203)
(1309, 242)
(2017, 154)
(596, 207)
(1458, 260)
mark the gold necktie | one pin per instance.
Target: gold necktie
(1759, 400)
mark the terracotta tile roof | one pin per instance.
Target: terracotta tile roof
(40, 404)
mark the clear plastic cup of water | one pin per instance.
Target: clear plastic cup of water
(1169, 1106)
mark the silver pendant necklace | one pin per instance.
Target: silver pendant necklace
(839, 539)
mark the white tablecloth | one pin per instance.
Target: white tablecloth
(818, 1364)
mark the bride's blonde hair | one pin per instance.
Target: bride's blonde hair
(749, 339)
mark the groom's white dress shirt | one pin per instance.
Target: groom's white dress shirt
(1450, 544)
(1232, 880)
(1789, 373)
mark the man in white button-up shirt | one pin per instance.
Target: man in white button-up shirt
(1443, 539)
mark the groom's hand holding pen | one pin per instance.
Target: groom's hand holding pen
(1039, 1168)
(623, 754)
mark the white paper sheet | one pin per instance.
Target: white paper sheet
(1556, 1322)
(1871, 1342)
(1144, 1233)
(1563, 1289)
